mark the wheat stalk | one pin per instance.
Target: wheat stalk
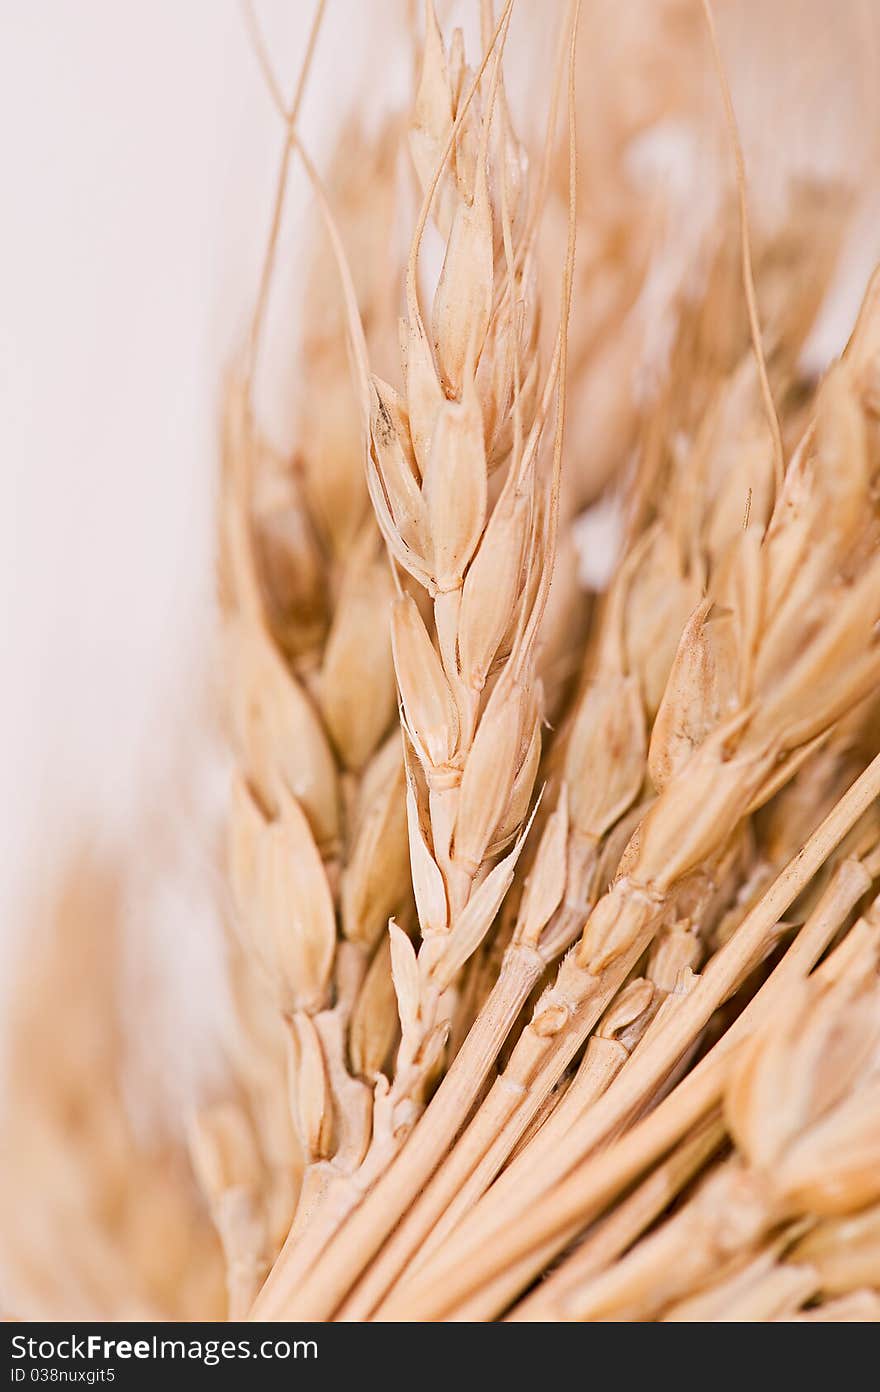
(860, 1307)
(763, 1289)
(556, 1299)
(843, 1251)
(560, 1212)
(387, 1120)
(789, 1163)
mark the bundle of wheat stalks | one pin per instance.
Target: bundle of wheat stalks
(554, 929)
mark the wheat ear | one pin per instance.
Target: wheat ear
(720, 769)
(395, 1108)
(475, 740)
(243, 1144)
(603, 769)
(460, 817)
(97, 1220)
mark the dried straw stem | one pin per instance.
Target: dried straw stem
(484, 1247)
(810, 1155)
(555, 1300)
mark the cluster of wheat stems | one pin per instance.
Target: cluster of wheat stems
(554, 928)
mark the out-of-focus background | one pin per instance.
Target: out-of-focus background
(140, 150)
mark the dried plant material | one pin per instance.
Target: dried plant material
(745, 1197)
(453, 1265)
(558, 1298)
(844, 1252)
(737, 637)
(604, 767)
(356, 682)
(477, 752)
(249, 1120)
(861, 1307)
(378, 862)
(98, 1222)
(553, 840)
(228, 1171)
(718, 773)
(762, 1290)
(318, 841)
(820, 1147)
(373, 1027)
(728, 665)
(282, 895)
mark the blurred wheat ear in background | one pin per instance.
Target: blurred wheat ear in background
(549, 679)
(100, 1221)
